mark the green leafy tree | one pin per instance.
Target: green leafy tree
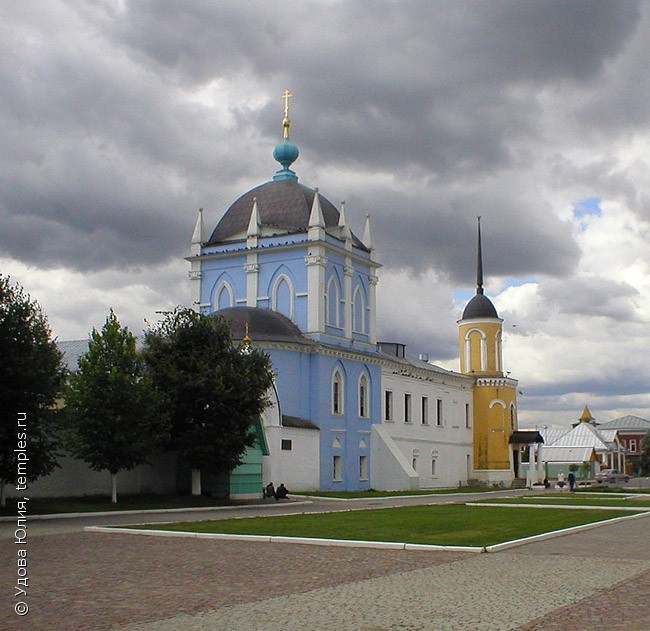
(213, 388)
(644, 460)
(31, 378)
(114, 417)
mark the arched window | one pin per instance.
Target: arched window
(224, 296)
(513, 417)
(364, 396)
(282, 296)
(333, 303)
(475, 341)
(337, 392)
(359, 311)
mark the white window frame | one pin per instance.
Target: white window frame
(338, 394)
(337, 468)
(389, 406)
(408, 407)
(364, 396)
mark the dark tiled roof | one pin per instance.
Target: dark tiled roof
(284, 204)
(264, 325)
(294, 421)
(480, 306)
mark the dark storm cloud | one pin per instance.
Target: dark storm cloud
(104, 159)
(591, 296)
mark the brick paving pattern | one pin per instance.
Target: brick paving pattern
(624, 606)
(89, 581)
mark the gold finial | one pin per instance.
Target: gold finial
(246, 340)
(286, 123)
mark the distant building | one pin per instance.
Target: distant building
(631, 430)
(586, 442)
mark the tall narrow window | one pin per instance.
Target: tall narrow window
(439, 421)
(388, 405)
(407, 408)
(282, 296)
(225, 296)
(358, 311)
(363, 396)
(337, 393)
(433, 467)
(363, 467)
(425, 411)
(467, 417)
(337, 473)
(332, 303)
(414, 463)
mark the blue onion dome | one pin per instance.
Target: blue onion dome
(286, 153)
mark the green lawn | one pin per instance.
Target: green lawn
(451, 524)
(349, 495)
(572, 500)
(92, 504)
(599, 488)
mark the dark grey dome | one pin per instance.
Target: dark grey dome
(264, 325)
(283, 204)
(480, 306)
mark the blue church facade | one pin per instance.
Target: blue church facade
(348, 413)
(284, 248)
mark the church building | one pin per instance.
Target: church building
(349, 412)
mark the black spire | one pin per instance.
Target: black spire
(479, 262)
(480, 305)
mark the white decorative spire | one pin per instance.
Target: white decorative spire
(345, 230)
(254, 223)
(367, 235)
(316, 217)
(197, 236)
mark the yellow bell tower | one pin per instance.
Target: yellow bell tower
(494, 393)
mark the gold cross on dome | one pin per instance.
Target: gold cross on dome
(286, 96)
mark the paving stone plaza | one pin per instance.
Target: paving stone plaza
(79, 580)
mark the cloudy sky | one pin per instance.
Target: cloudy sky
(119, 119)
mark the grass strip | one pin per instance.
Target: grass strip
(451, 524)
(571, 500)
(349, 495)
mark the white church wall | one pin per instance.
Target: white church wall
(437, 446)
(390, 470)
(298, 467)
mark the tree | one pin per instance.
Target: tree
(213, 388)
(644, 460)
(114, 418)
(31, 377)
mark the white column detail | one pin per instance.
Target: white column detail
(251, 268)
(315, 261)
(372, 299)
(347, 297)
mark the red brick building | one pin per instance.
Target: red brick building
(631, 430)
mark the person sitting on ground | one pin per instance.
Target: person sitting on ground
(269, 491)
(281, 493)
